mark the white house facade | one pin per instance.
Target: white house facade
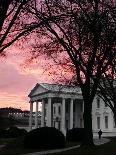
(62, 108)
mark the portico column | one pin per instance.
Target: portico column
(63, 117)
(43, 113)
(36, 115)
(49, 115)
(30, 117)
(71, 113)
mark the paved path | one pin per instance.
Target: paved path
(101, 141)
(96, 142)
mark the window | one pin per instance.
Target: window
(81, 107)
(67, 109)
(54, 110)
(98, 122)
(53, 123)
(66, 124)
(98, 102)
(106, 122)
(59, 110)
(114, 122)
(81, 123)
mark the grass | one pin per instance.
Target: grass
(15, 147)
(105, 149)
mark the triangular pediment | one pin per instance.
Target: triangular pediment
(38, 89)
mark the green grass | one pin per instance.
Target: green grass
(15, 147)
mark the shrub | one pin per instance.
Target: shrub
(44, 138)
(13, 132)
(3, 133)
(75, 135)
(16, 132)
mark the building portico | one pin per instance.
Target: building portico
(60, 106)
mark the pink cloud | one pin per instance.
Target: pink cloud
(15, 83)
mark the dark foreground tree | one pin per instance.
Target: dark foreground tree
(15, 21)
(10, 11)
(84, 31)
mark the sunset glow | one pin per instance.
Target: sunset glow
(16, 82)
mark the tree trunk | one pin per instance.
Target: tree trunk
(88, 138)
(114, 112)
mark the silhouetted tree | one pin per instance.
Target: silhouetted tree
(15, 21)
(85, 31)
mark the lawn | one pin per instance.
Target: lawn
(105, 149)
(15, 147)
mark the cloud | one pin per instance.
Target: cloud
(16, 82)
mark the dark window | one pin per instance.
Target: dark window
(59, 109)
(114, 123)
(106, 122)
(98, 122)
(74, 108)
(54, 110)
(67, 109)
(98, 102)
(81, 107)
(54, 123)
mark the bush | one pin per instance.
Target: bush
(13, 132)
(75, 135)
(3, 133)
(44, 138)
(16, 132)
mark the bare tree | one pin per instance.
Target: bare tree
(86, 32)
(15, 21)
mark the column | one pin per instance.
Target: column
(83, 114)
(63, 117)
(43, 113)
(30, 117)
(49, 115)
(36, 115)
(71, 113)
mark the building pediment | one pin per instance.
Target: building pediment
(54, 88)
(38, 89)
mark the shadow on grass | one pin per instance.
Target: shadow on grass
(14, 146)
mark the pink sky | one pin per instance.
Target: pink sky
(16, 82)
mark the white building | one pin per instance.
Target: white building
(62, 107)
